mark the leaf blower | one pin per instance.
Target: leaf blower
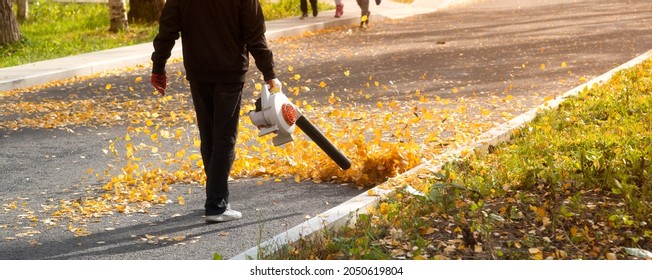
(274, 113)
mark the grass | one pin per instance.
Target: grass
(56, 30)
(61, 29)
(575, 183)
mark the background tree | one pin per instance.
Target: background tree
(118, 14)
(9, 32)
(145, 11)
(22, 9)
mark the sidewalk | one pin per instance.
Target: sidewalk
(92, 63)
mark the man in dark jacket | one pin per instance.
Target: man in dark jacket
(217, 38)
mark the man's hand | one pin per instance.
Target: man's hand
(159, 81)
(274, 85)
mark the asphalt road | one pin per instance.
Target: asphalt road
(530, 50)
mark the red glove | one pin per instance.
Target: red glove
(159, 81)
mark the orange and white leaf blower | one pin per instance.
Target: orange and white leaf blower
(274, 113)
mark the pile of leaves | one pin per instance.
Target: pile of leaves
(160, 146)
(575, 183)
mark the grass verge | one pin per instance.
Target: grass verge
(56, 29)
(575, 183)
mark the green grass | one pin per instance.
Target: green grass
(289, 8)
(575, 183)
(61, 29)
(56, 30)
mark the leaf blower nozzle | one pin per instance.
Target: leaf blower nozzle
(274, 113)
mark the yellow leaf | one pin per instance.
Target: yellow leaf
(182, 201)
(573, 231)
(563, 64)
(290, 68)
(427, 231)
(379, 104)
(384, 208)
(322, 84)
(543, 66)
(347, 73)
(154, 136)
(130, 150)
(258, 86)
(297, 77)
(536, 253)
(165, 134)
(455, 90)
(108, 86)
(138, 79)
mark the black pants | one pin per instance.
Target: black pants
(218, 113)
(304, 6)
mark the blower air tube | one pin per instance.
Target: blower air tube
(323, 143)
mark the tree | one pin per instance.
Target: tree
(118, 15)
(145, 11)
(22, 9)
(9, 32)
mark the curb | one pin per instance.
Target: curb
(346, 213)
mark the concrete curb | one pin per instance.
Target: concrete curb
(347, 212)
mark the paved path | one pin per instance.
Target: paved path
(487, 51)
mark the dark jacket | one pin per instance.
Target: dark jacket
(217, 37)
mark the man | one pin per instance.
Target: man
(217, 38)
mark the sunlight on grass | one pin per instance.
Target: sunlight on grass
(61, 29)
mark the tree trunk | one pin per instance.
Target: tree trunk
(9, 32)
(118, 14)
(22, 9)
(145, 11)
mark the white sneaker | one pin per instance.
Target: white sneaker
(228, 215)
